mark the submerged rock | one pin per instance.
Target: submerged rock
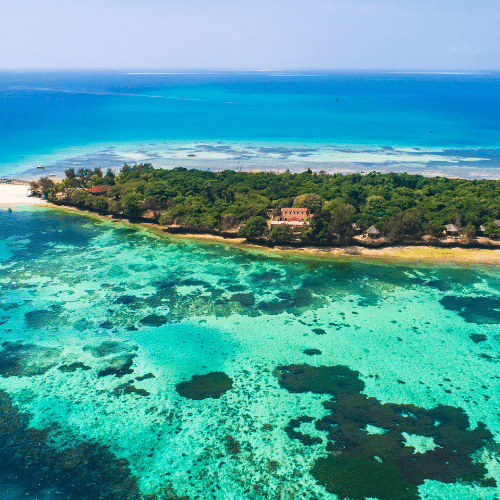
(211, 385)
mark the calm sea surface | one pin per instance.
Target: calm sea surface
(432, 123)
(133, 364)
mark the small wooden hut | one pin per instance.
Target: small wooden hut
(372, 232)
(451, 230)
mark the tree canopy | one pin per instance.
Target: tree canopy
(398, 204)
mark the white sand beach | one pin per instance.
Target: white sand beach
(12, 194)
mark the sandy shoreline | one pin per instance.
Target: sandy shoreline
(415, 254)
(13, 194)
(419, 254)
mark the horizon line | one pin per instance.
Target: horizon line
(174, 71)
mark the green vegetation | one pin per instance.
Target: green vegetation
(401, 206)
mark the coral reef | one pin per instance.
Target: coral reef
(364, 464)
(320, 380)
(108, 348)
(25, 360)
(119, 366)
(154, 320)
(129, 388)
(73, 367)
(245, 299)
(480, 310)
(312, 352)
(85, 470)
(212, 385)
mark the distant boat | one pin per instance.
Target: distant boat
(52, 175)
(191, 155)
(40, 167)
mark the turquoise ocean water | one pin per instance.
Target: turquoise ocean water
(100, 322)
(136, 366)
(431, 123)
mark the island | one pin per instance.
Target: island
(295, 209)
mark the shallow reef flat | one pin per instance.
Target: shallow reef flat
(143, 367)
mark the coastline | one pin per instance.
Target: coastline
(15, 195)
(403, 254)
(12, 194)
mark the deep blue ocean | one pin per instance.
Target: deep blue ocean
(433, 123)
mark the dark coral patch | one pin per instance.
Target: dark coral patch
(129, 388)
(119, 366)
(232, 446)
(478, 337)
(73, 367)
(191, 282)
(305, 439)
(320, 380)
(440, 285)
(245, 299)
(83, 471)
(108, 348)
(481, 310)
(312, 352)
(126, 299)
(364, 464)
(211, 385)
(360, 478)
(288, 301)
(40, 318)
(319, 331)
(154, 320)
(144, 377)
(25, 360)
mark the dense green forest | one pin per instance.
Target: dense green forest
(400, 205)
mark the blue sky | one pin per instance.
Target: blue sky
(257, 34)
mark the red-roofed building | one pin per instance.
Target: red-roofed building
(292, 216)
(103, 189)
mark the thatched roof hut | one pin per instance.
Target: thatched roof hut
(373, 232)
(451, 229)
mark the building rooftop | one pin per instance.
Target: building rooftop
(98, 189)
